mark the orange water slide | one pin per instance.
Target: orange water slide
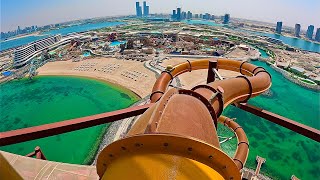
(176, 138)
(254, 82)
(72, 46)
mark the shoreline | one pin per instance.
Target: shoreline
(117, 129)
(120, 73)
(115, 85)
(94, 151)
(289, 76)
(22, 36)
(294, 80)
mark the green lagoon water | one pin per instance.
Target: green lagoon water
(286, 152)
(47, 99)
(263, 53)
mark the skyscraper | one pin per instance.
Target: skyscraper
(317, 38)
(207, 16)
(297, 30)
(148, 8)
(174, 14)
(189, 15)
(138, 10)
(226, 19)
(18, 30)
(145, 9)
(184, 15)
(310, 30)
(178, 14)
(279, 27)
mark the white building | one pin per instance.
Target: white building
(22, 55)
(297, 69)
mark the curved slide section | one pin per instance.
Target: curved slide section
(179, 130)
(255, 80)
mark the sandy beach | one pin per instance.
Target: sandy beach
(131, 75)
(191, 79)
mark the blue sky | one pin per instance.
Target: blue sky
(42, 12)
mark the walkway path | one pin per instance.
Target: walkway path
(260, 161)
(153, 65)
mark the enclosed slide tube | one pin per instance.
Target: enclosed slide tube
(176, 138)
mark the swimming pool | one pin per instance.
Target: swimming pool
(86, 54)
(117, 43)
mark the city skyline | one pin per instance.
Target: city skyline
(35, 12)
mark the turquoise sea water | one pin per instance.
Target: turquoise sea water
(47, 99)
(210, 23)
(63, 31)
(84, 27)
(294, 42)
(263, 53)
(19, 41)
(286, 152)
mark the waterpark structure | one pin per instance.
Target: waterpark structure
(176, 135)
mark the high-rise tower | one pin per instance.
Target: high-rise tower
(174, 14)
(226, 19)
(138, 10)
(148, 10)
(317, 38)
(189, 15)
(310, 30)
(145, 9)
(297, 30)
(178, 14)
(279, 27)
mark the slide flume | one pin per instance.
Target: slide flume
(177, 137)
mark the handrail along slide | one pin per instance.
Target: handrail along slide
(178, 125)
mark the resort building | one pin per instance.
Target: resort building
(298, 70)
(22, 55)
(279, 27)
(297, 30)
(310, 30)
